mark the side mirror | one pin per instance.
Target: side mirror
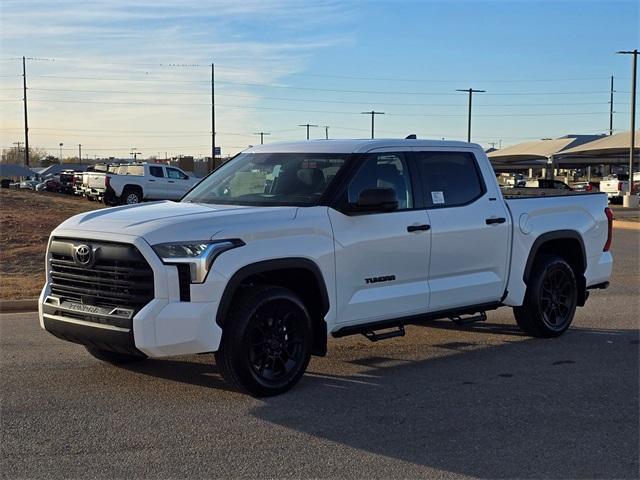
(375, 200)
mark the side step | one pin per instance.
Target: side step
(374, 337)
(458, 320)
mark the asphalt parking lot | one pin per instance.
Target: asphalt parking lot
(480, 401)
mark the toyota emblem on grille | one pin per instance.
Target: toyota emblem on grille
(83, 254)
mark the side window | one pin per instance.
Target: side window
(175, 174)
(383, 170)
(156, 172)
(449, 179)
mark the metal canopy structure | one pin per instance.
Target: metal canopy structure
(12, 170)
(611, 145)
(538, 152)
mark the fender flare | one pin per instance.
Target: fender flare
(549, 236)
(320, 328)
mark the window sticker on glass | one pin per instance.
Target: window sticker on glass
(437, 198)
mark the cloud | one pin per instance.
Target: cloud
(123, 46)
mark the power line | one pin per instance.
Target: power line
(261, 97)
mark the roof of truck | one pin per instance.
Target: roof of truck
(353, 146)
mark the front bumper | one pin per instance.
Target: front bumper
(163, 327)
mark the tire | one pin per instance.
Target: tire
(551, 298)
(130, 196)
(114, 358)
(109, 199)
(266, 344)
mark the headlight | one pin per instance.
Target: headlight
(198, 255)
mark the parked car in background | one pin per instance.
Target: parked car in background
(547, 183)
(586, 186)
(66, 180)
(28, 184)
(137, 182)
(615, 186)
(5, 182)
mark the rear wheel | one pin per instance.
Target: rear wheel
(130, 197)
(266, 345)
(114, 357)
(551, 298)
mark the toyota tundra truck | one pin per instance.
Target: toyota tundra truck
(289, 244)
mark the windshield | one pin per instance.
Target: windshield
(265, 179)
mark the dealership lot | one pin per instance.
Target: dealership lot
(441, 402)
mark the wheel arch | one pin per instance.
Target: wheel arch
(569, 245)
(299, 274)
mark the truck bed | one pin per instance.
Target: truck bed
(532, 192)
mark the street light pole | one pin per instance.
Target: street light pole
(632, 143)
(326, 132)
(80, 153)
(373, 114)
(471, 91)
(60, 157)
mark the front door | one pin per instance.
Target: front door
(470, 230)
(381, 258)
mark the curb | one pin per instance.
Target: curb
(16, 306)
(626, 225)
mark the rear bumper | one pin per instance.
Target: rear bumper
(163, 327)
(599, 270)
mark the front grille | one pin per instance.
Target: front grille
(117, 274)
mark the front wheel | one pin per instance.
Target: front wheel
(551, 298)
(266, 344)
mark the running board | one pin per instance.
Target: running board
(458, 320)
(374, 336)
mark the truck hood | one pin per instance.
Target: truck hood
(167, 221)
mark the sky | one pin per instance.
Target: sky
(120, 76)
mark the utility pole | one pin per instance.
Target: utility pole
(80, 153)
(213, 117)
(634, 73)
(135, 154)
(471, 91)
(611, 108)
(326, 132)
(60, 157)
(307, 125)
(262, 134)
(373, 114)
(26, 123)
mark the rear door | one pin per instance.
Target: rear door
(156, 183)
(381, 258)
(470, 230)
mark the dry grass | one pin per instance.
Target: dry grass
(26, 220)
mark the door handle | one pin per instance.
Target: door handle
(151, 180)
(418, 228)
(170, 181)
(493, 221)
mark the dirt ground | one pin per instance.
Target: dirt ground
(26, 220)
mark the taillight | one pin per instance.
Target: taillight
(107, 181)
(589, 188)
(620, 186)
(609, 214)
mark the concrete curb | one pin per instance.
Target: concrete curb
(626, 225)
(14, 306)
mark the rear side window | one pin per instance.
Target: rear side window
(449, 179)
(177, 174)
(156, 172)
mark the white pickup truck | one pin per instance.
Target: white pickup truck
(616, 186)
(288, 244)
(133, 183)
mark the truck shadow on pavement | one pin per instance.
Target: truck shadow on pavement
(561, 408)
(516, 408)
